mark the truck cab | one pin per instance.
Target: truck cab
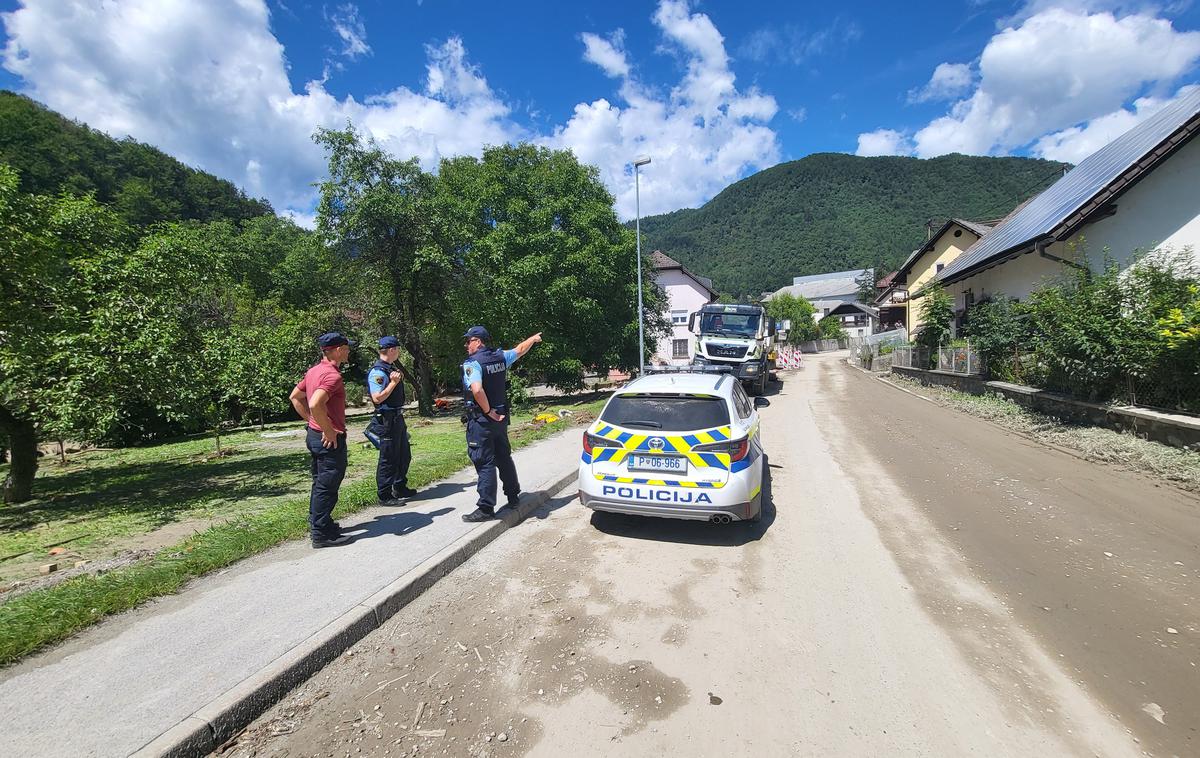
(739, 336)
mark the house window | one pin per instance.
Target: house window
(679, 317)
(679, 348)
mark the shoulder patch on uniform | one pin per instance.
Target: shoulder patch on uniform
(378, 379)
(470, 370)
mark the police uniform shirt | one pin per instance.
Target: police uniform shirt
(473, 372)
(378, 380)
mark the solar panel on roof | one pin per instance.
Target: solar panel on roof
(1081, 184)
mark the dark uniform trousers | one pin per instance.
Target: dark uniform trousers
(488, 448)
(395, 454)
(328, 470)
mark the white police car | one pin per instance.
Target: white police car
(676, 445)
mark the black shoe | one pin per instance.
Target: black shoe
(402, 492)
(513, 502)
(392, 502)
(331, 540)
(478, 515)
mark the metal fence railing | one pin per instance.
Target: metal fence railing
(1171, 388)
(961, 360)
(874, 352)
(958, 360)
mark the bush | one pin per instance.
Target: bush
(936, 313)
(1132, 334)
(1001, 330)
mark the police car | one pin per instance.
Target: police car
(676, 445)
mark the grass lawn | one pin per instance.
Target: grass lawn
(191, 512)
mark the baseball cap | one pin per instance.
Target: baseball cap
(388, 342)
(479, 333)
(332, 339)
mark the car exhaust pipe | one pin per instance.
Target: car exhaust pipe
(720, 518)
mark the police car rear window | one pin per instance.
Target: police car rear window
(668, 413)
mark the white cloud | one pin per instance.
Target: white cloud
(1074, 144)
(799, 115)
(1056, 70)
(794, 45)
(208, 83)
(701, 137)
(353, 33)
(883, 142)
(608, 54)
(949, 80)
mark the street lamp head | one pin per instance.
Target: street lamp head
(641, 160)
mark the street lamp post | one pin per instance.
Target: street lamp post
(638, 162)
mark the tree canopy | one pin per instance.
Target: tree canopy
(140, 183)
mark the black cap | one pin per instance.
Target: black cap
(388, 342)
(332, 339)
(479, 333)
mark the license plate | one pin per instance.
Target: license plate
(670, 464)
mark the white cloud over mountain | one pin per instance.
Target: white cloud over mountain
(208, 83)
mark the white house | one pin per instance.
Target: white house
(825, 291)
(1137, 193)
(686, 293)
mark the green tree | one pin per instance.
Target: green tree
(830, 328)
(543, 251)
(1001, 330)
(936, 313)
(56, 257)
(799, 311)
(377, 212)
(866, 286)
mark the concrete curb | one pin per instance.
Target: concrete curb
(227, 714)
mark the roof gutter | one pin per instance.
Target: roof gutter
(1039, 247)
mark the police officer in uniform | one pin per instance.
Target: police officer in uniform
(386, 386)
(485, 391)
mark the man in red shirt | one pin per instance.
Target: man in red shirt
(320, 399)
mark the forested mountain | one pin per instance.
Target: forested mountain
(832, 212)
(143, 184)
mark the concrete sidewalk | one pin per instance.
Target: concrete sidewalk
(181, 674)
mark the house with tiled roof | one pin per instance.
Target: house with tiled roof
(939, 251)
(686, 293)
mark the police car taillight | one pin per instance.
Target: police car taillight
(737, 449)
(591, 441)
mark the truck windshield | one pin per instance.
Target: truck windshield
(729, 324)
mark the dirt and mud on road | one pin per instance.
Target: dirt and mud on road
(853, 620)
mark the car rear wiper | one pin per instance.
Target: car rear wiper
(654, 424)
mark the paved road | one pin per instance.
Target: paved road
(924, 584)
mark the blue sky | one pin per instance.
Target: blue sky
(713, 91)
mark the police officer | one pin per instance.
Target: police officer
(485, 390)
(385, 383)
(320, 399)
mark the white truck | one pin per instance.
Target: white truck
(739, 336)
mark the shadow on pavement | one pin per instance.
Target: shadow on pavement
(404, 522)
(691, 532)
(443, 489)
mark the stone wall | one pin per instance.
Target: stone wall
(1172, 429)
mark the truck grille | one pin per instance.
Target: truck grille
(727, 351)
